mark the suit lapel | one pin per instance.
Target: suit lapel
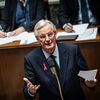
(46, 72)
(63, 63)
(64, 57)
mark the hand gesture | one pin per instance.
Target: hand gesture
(32, 88)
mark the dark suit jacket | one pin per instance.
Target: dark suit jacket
(8, 18)
(68, 11)
(71, 61)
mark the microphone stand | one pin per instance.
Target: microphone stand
(55, 73)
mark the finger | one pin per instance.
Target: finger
(26, 80)
(2, 36)
(37, 87)
(70, 25)
(32, 89)
(29, 84)
(13, 33)
(95, 80)
(69, 28)
(8, 34)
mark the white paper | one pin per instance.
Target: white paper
(21, 36)
(79, 29)
(5, 40)
(24, 38)
(88, 75)
(90, 33)
(31, 38)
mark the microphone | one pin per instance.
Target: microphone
(53, 70)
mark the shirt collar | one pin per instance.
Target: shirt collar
(55, 53)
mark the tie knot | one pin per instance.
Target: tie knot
(23, 2)
(52, 56)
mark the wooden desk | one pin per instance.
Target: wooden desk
(12, 70)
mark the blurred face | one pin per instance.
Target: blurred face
(47, 38)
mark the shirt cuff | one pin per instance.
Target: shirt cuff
(64, 26)
(32, 95)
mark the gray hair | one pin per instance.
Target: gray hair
(41, 24)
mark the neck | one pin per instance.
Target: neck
(50, 51)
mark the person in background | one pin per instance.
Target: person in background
(77, 12)
(20, 15)
(67, 61)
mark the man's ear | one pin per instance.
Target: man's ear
(55, 32)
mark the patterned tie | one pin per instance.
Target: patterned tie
(56, 65)
(84, 9)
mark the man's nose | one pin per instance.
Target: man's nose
(47, 37)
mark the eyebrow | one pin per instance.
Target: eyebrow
(46, 33)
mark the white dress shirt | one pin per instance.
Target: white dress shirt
(55, 53)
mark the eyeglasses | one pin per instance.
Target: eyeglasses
(49, 35)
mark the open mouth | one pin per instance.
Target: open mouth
(48, 44)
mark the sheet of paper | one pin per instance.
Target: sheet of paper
(88, 75)
(79, 29)
(21, 36)
(30, 39)
(88, 34)
(5, 40)
(24, 38)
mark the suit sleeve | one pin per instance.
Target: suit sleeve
(5, 20)
(38, 15)
(80, 60)
(29, 74)
(63, 13)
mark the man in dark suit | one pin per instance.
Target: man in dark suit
(39, 75)
(21, 15)
(78, 12)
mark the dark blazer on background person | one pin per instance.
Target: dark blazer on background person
(68, 11)
(9, 14)
(71, 61)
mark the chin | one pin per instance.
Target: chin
(48, 47)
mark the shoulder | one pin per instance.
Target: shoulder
(68, 48)
(67, 45)
(32, 54)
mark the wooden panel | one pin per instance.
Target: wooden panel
(91, 53)
(11, 74)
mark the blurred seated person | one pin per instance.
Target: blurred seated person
(20, 16)
(77, 12)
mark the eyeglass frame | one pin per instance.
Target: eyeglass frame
(49, 35)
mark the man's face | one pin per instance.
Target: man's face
(47, 38)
